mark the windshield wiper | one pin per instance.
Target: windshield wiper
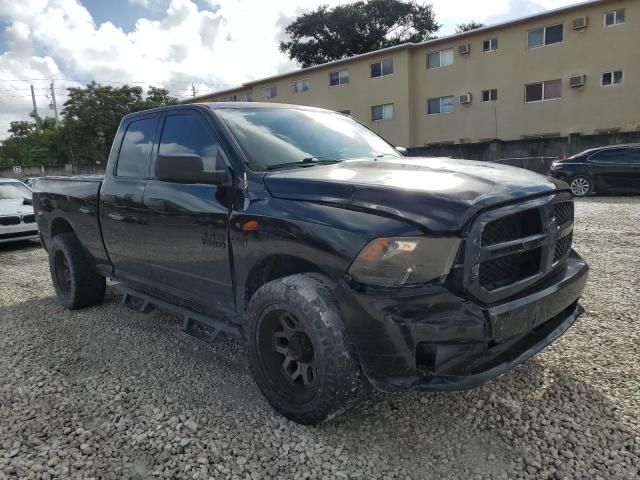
(305, 162)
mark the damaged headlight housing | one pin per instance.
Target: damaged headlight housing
(400, 261)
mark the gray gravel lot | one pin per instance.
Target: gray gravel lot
(107, 393)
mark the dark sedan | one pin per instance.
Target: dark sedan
(614, 169)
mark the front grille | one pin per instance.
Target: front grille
(562, 247)
(510, 248)
(512, 227)
(504, 271)
(563, 212)
(29, 218)
(12, 220)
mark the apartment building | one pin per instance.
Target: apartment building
(574, 70)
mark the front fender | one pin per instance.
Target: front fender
(322, 236)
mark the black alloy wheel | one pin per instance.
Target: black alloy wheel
(299, 350)
(287, 352)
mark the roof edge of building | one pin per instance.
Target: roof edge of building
(403, 46)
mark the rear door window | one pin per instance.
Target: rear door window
(135, 151)
(613, 155)
(188, 133)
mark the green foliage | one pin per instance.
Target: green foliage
(91, 116)
(467, 27)
(328, 34)
(28, 148)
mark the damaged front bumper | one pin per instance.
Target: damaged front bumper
(431, 339)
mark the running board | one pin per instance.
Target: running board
(196, 325)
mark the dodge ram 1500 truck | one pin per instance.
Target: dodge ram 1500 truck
(343, 263)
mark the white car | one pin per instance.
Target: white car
(17, 220)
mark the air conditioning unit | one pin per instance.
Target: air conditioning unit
(465, 99)
(464, 49)
(577, 81)
(580, 23)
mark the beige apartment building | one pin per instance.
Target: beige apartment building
(574, 70)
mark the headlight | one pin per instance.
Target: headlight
(394, 262)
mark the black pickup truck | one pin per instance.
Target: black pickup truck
(342, 262)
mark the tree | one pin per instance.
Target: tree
(467, 27)
(92, 115)
(27, 147)
(328, 34)
(158, 97)
(21, 128)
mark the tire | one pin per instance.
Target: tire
(76, 283)
(299, 351)
(581, 186)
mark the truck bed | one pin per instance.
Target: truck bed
(74, 203)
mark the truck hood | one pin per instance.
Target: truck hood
(14, 206)
(441, 194)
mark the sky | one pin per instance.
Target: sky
(211, 44)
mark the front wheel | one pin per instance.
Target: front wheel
(581, 186)
(299, 351)
(76, 283)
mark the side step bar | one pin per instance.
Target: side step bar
(197, 325)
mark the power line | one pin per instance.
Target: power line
(149, 82)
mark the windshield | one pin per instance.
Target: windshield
(14, 190)
(280, 136)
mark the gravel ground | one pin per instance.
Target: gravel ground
(107, 393)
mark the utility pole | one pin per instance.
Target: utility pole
(53, 100)
(35, 110)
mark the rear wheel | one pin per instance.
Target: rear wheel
(76, 283)
(581, 186)
(299, 350)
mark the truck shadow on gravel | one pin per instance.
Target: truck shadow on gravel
(539, 418)
(20, 245)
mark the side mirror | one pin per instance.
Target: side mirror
(187, 168)
(402, 150)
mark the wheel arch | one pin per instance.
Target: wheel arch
(60, 225)
(274, 267)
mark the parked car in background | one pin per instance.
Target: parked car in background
(613, 169)
(17, 220)
(29, 181)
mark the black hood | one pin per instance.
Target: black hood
(440, 194)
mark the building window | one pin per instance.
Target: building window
(382, 112)
(490, 95)
(612, 78)
(338, 78)
(490, 45)
(382, 68)
(615, 17)
(541, 91)
(246, 97)
(269, 92)
(443, 58)
(300, 86)
(440, 105)
(542, 37)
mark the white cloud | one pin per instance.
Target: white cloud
(225, 43)
(143, 3)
